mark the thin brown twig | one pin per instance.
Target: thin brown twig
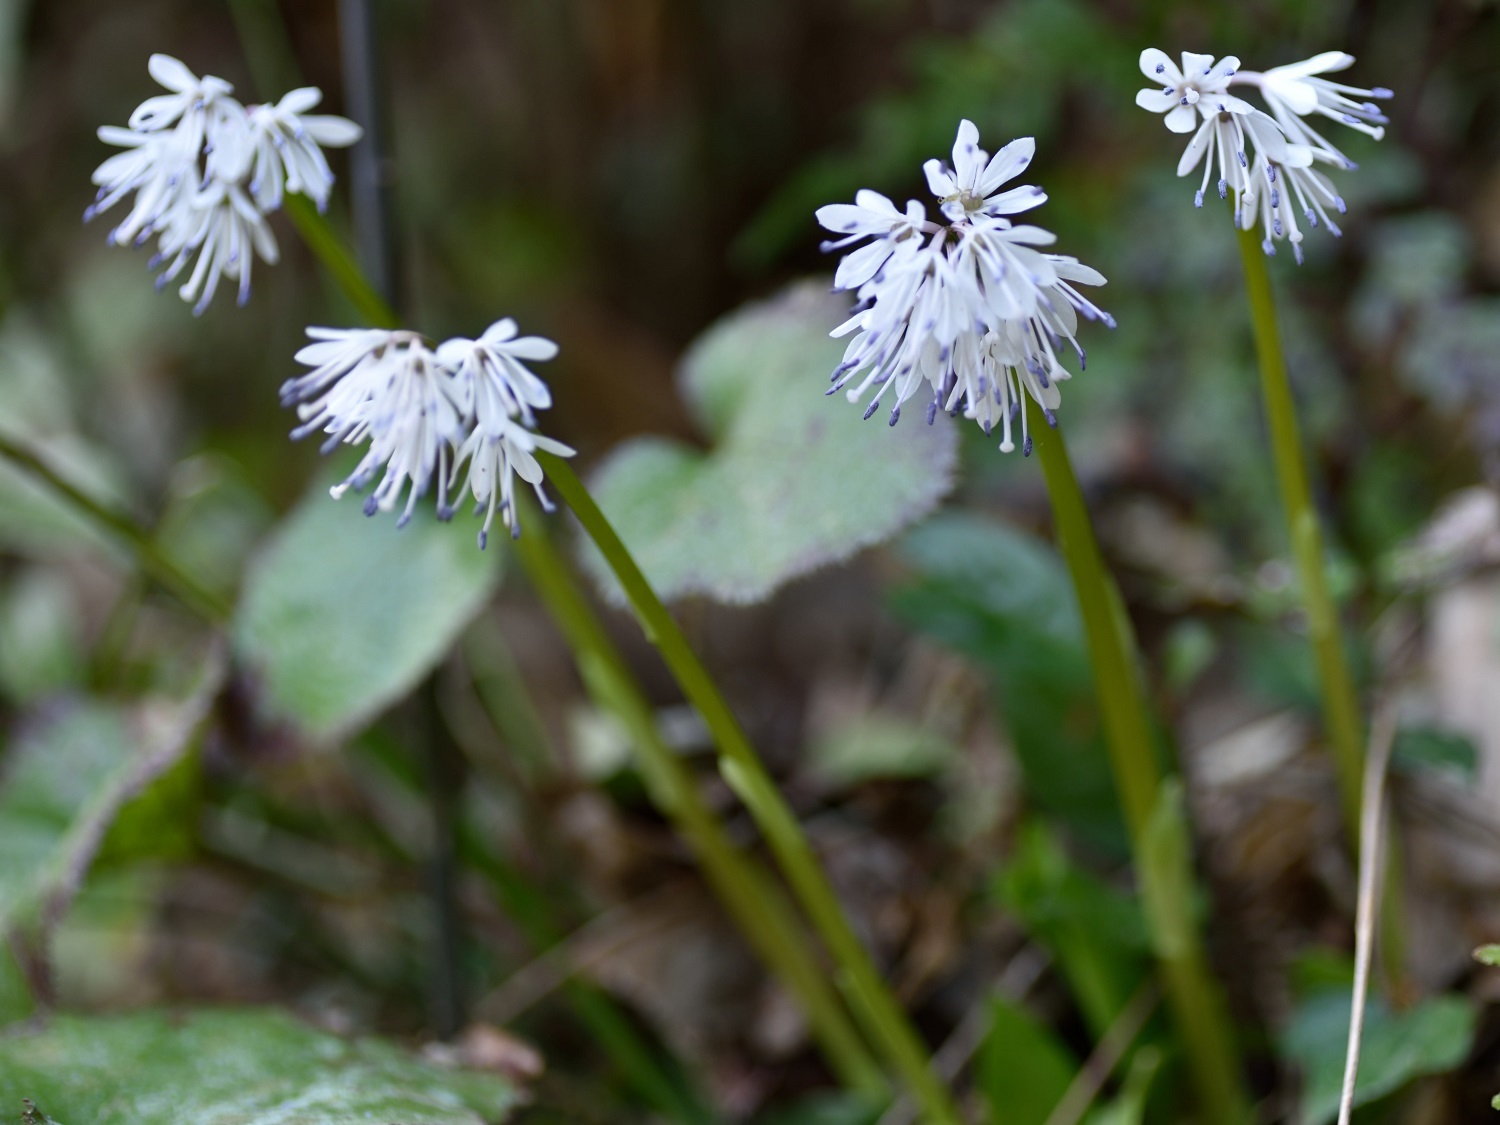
(1382, 737)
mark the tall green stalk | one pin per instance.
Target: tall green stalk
(869, 994)
(1341, 711)
(769, 924)
(1152, 801)
(758, 907)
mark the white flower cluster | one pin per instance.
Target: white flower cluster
(1266, 161)
(427, 412)
(206, 171)
(968, 307)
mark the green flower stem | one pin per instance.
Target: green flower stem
(869, 994)
(752, 899)
(1152, 801)
(125, 528)
(1341, 710)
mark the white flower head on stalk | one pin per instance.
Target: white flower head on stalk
(1264, 160)
(386, 388)
(205, 173)
(427, 412)
(971, 308)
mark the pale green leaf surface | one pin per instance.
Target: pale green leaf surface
(793, 481)
(343, 614)
(1430, 1038)
(232, 1067)
(64, 786)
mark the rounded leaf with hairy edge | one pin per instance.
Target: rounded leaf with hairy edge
(791, 481)
(246, 1066)
(342, 615)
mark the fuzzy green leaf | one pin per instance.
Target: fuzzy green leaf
(342, 614)
(1430, 1038)
(792, 482)
(232, 1067)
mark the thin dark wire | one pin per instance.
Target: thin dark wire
(369, 165)
(370, 184)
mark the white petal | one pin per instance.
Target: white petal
(1195, 66)
(1030, 236)
(939, 182)
(1015, 200)
(335, 132)
(172, 73)
(1196, 148)
(1007, 164)
(300, 100)
(874, 201)
(1323, 63)
(1300, 97)
(1157, 101)
(1158, 66)
(863, 264)
(498, 333)
(1182, 119)
(538, 349)
(844, 218)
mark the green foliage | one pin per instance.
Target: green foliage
(65, 785)
(1427, 748)
(1004, 599)
(232, 1067)
(1430, 1038)
(792, 482)
(1022, 1069)
(1095, 933)
(342, 614)
(1488, 954)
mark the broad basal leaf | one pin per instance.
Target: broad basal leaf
(792, 481)
(1430, 1038)
(343, 614)
(231, 1067)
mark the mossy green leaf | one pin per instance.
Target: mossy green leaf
(343, 614)
(231, 1067)
(792, 481)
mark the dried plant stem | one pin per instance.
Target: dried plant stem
(868, 992)
(758, 907)
(1151, 800)
(1381, 739)
(124, 528)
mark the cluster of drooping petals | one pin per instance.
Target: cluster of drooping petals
(1265, 161)
(970, 311)
(205, 172)
(426, 413)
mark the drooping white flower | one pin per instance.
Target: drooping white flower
(1295, 92)
(871, 215)
(427, 412)
(973, 309)
(288, 155)
(205, 173)
(1263, 160)
(386, 388)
